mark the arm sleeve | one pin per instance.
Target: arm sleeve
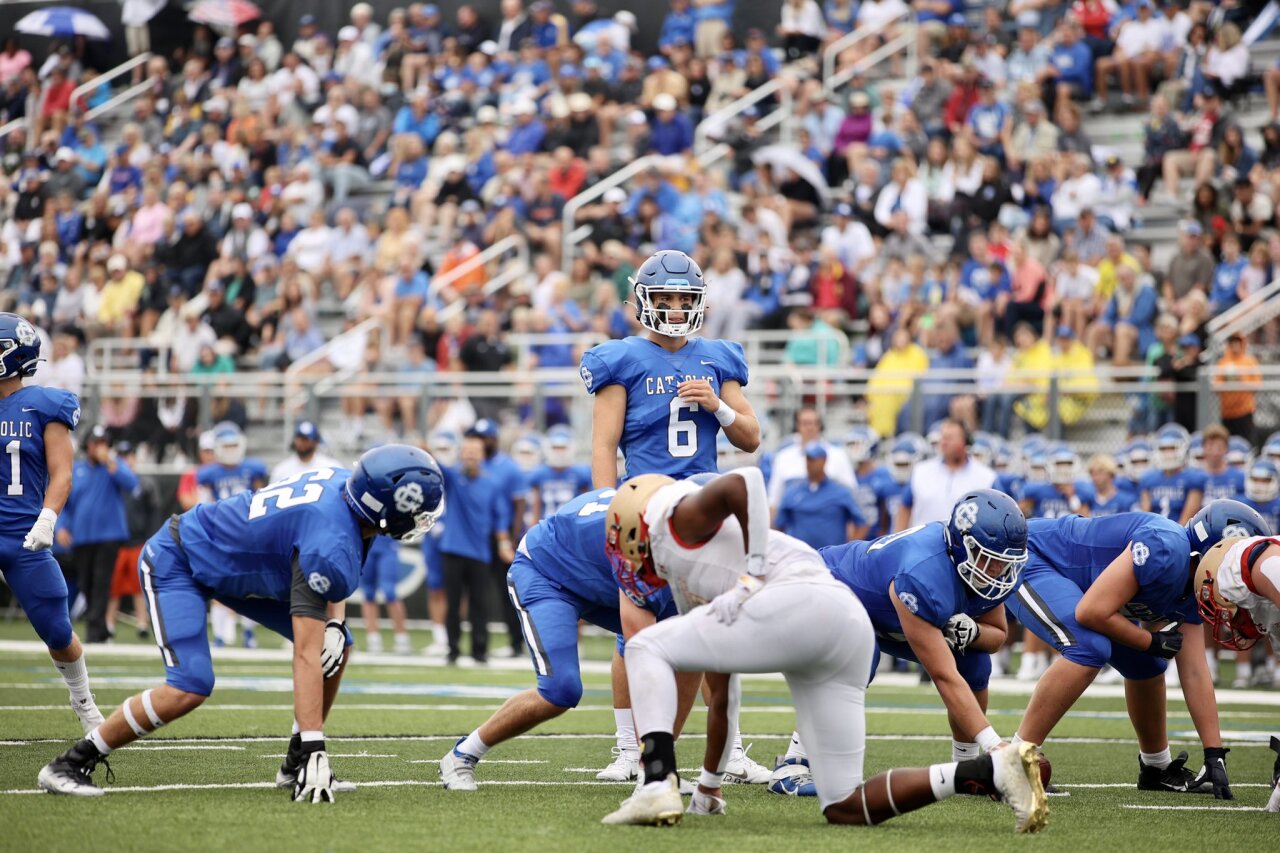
(303, 600)
(595, 372)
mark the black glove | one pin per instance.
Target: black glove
(1214, 773)
(1167, 642)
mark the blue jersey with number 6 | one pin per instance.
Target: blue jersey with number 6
(916, 561)
(246, 546)
(23, 470)
(663, 434)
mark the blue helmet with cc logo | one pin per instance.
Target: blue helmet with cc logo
(398, 490)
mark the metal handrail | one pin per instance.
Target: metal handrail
(721, 117)
(102, 79)
(493, 253)
(832, 52)
(501, 281)
(119, 100)
(906, 39)
(1242, 309)
(573, 236)
(314, 357)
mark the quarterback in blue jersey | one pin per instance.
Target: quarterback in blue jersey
(557, 481)
(662, 398)
(35, 433)
(288, 556)
(1118, 590)
(560, 575)
(230, 473)
(1172, 490)
(935, 594)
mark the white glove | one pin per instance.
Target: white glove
(960, 631)
(726, 605)
(334, 650)
(41, 535)
(705, 804)
(315, 780)
(756, 565)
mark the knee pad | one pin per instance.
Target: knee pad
(562, 692)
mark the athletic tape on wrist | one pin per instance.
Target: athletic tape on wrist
(711, 779)
(988, 739)
(725, 415)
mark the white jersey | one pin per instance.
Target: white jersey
(1232, 586)
(698, 573)
(293, 466)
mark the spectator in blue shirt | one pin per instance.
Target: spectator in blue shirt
(989, 121)
(1072, 65)
(418, 117)
(818, 510)
(1128, 322)
(1224, 293)
(97, 525)
(527, 134)
(478, 514)
(677, 26)
(670, 131)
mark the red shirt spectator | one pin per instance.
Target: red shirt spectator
(1093, 15)
(57, 95)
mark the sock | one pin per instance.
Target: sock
(796, 748)
(438, 634)
(658, 756)
(737, 744)
(1160, 759)
(977, 777)
(295, 728)
(1244, 670)
(942, 779)
(472, 745)
(626, 734)
(961, 751)
(95, 737)
(76, 675)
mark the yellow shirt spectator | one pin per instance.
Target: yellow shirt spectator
(1107, 274)
(890, 385)
(121, 294)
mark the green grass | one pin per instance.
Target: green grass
(416, 719)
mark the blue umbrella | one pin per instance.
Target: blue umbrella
(63, 22)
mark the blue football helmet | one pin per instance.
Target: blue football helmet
(934, 435)
(1240, 452)
(559, 448)
(660, 285)
(1063, 465)
(1003, 459)
(1038, 466)
(1271, 449)
(861, 443)
(1195, 450)
(983, 448)
(398, 490)
(527, 452)
(1137, 459)
(908, 449)
(444, 446)
(1172, 444)
(987, 537)
(19, 347)
(229, 444)
(1262, 484)
(1224, 519)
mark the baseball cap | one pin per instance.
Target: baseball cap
(348, 34)
(117, 262)
(64, 154)
(307, 21)
(615, 195)
(488, 114)
(1065, 331)
(225, 42)
(664, 101)
(431, 10)
(844, 209)
(656, 62)
(1190, 227)
(485, 428)
(957, 19)
(1189, 340)
(124, 447)
(98, 433)
(242, 211)
(247, 40)
(307, 429)
(216, 286)
(814, 450)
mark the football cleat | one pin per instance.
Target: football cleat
(87, 712)
(705, 804)
(654, 804)
(625, 767)
(71, 773)
(742, 770)
(1273, 805)
(1176, 777)
(791, 777)
(458, 770)
(1016, 770)
(287, 777)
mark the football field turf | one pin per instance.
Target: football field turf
(206, 782)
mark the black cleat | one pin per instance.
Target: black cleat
(71, 772)
(1176, 777)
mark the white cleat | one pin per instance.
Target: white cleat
(705, 804)
(625, 767)
(655, 804)
(88, 713)
(1273, 805)
(402, 646)
(288, 778)
(1017, 777)
(742, 770)
(62, 776)
(458, 771)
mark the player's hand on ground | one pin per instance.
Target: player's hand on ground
(315, 780)
(960, 632)
(699, 391)
(41, 535)
(1214, 773)
(726, 605)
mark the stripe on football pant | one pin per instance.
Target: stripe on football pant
(541, 666)
(157, 618)
(1044, 615)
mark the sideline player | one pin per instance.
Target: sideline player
(36, 423)
(931, 601)
(288, 557)
(660, 401)
(786, 614)
(1173, 490)
(1086, 584)
(307, 455)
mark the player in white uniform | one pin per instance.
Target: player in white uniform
(786, 613)
(1238, 593)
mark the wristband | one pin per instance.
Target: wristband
(988, 739)
(710, 780)
(725, 415)
(312, 741)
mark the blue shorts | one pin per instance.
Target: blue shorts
(178, 604)
(1046, 604)
(435, 562)
(380, 575)
(974, 667)
(549, 616)
(37, 582)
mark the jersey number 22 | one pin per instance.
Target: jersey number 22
(285, 493)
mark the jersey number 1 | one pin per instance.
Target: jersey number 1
(682, 435)
(283, 494)
(14, 449)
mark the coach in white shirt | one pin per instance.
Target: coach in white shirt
(789, 463)
(937, 483)
(306, 454)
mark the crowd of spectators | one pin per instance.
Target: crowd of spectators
(949, 212)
